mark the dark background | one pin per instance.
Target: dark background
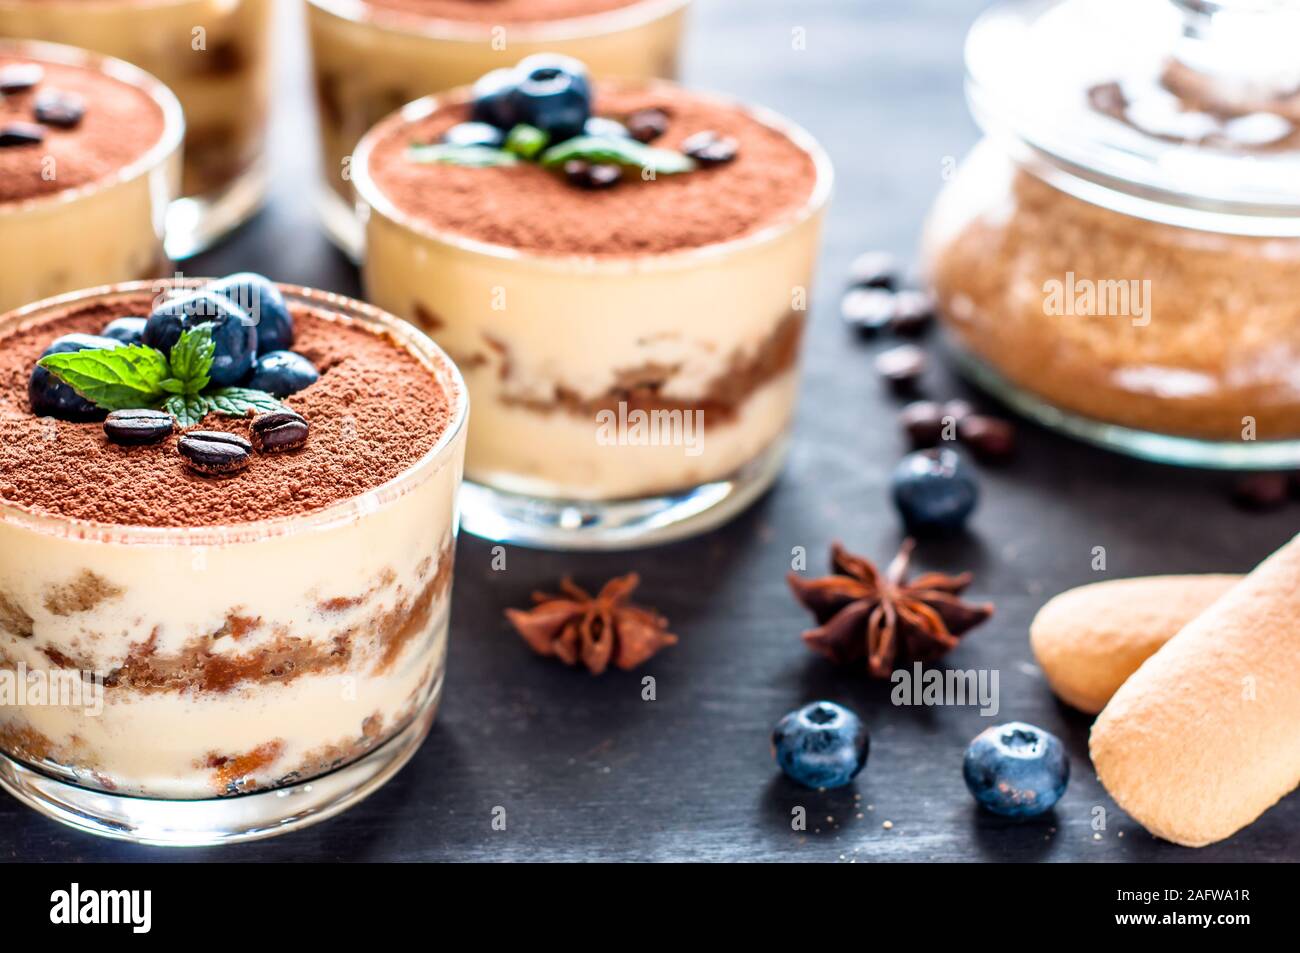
(585, 769)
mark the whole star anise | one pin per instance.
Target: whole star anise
(594, 630)
(863, 612)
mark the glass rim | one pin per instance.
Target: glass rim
(405, 334)
(369, 192)
(587, 25)
(169, 143)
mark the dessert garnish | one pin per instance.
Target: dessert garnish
(821, 745)
(56, 108)
(20, 77)
(708, 148)
(864, 613)
(934, 492)
(21, 134)
(646, 125)
(195, 354)
(214, 452)
(278, 431)
(540, 111)
(575, 626)
(135, 428)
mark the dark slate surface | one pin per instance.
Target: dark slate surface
(583, 766)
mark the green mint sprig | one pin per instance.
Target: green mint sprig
(529, 144)
(138, 376)
(618, 151)
(446, 153)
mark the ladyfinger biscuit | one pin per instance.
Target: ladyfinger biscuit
(1089, 640)
(1205, 735)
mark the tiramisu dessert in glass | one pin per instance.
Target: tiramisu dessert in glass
(373, 56)
(89, 158)
(622, 272)
(215, 56)
(227, 522)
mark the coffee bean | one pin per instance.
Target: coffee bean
(56, 108)
(913, 313)
(875, 269)
(592, 175)
(214, 453)
(1261, 491)
(991, 440)
(647, 125)
(868, 310)
(21, 134)
(901, 366)
(278, 431)
(958, 410)
(923, 422)
(134, 428)
(708, 148)
(20, 77)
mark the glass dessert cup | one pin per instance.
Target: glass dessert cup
(107, 230)
(215, 56)
(1117, 269)
(211, 729)
(370, 61)
(567, 451)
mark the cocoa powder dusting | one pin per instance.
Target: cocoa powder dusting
(374, 413)
(120, 125)
(529, 207)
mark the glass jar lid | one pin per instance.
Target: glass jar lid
(1180, 111)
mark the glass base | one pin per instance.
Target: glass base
(340, 222)
(1160, 448)
(246, 817)
(197, 222)
(524, 520)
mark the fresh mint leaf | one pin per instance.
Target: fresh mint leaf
(449, 154)
(191, 359)
(188, 409)
(620, 151)
(172, 385)
(238, 401)
(526, 141)
(119, 379)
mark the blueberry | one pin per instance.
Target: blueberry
(282, 373)
(609, 128)
(126, 330)
(821, 745)
(1016, 770)
(232, 332)
(494, 100)
(934, 491)
(261, 300)
(51, 397)
(553, 94)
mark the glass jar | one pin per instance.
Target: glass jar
(215, 56)
(1119, 258)
(205, 685)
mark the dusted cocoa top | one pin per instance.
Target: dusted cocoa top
(375, 411)
(502, 11)
(530, 207)
(120, 124)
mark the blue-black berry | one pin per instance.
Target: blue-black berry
(822, 745)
